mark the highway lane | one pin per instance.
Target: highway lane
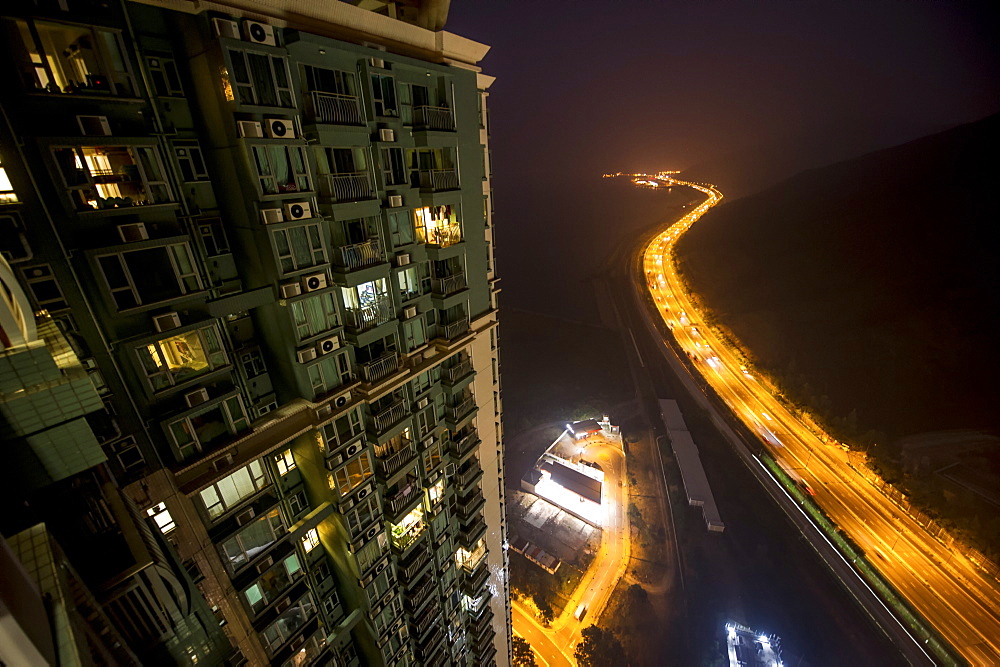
(947, 589)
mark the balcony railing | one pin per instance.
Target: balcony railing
(353, 186)
(470, 505)
(433, 118)
(453, 374)
(401, 500)
(420, 592)
(381, 368)
(459, 410)
(467, 477)
(448, 284)
(358, 255)
(411, 568)
(366, 317)
(455, 329)
(438, 179)
(336, 108)
(460, 446)
(442, 235)
(384, 419)
(392, 464)
(404, 541)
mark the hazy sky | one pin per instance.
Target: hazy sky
(647, 83)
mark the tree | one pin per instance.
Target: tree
(522, 656)
(544, 608)
(599, 648)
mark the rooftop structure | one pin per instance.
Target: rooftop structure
(696, 486)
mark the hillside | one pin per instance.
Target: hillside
(870, 288)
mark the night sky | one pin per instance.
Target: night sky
(588, 87)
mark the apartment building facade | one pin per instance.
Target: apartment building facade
(265, 234)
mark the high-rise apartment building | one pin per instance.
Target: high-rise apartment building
(249, 383)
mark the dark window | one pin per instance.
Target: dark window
(383, 95)
(191, 161)
(163, 73)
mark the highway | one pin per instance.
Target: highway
(947, 589)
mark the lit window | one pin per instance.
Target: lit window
(406, 531)
(352, 475)
(161, 516)
(437, 225)
(310, 540)
(179, 358)
(285, 461)
(232, 489)
(7, 194)
(436, 493)
(102, 177)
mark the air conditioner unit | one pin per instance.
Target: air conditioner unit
(133, 232)
(313, 282)
(245, 517)
(283, 605)
(222, 462)
(264, 564)
(402, 259)
(306, 355)
(249, 128)
(225, 28)
(377, 62)
(324, 410)
(363, 493)
(328, 345)
(333, 462)
(386, 134)
(298, 210)
(381, 566)
(342, 400)
(372, 532)
(423, 403)
(166, 321)
(94, 126)
(196, 397)
(449, 470)
(289, 290)
(271, 216)
(279, 128)
(259, 33)
(352, 450)
(409, 312)
(395, 201)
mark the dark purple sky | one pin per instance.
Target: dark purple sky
(630, 84)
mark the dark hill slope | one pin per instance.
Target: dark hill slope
(870, 286)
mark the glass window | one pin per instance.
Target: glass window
(252, 539)
(281, 169)
(101, 177)
(414, 333)
(400, 228)
(362, 514)
(260, 79)
(210, 426)
(393, 167)
(310, 540)
(161, 516)
(150, 275)
(285, 461)
(180, 357)
(163, 73)
(383, 94)
(437, 225)
(325, 375)
(315, 315)
(288, 623)
(213, 236)
(7, 194)
(191, 161)
(352, 474)
(299, 247)
(233, 489)
(343, 429)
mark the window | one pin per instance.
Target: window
(393, 167)
(229, 491)
(181, 357)
(334, 96)
(100, 177)
(7, 194)
(315, 315)
(400, 228)
(297, 504)
(310, 540)
(284, 461)
(213, 236)
(127, 452)
(408, 284)
(270, 585)
(252, 539)
(14, 245)
(330, 81)
(421, 383)
(281, 169)
(343, 429)
(371, 553)
(414, 333)
(62, 58)
(352, 475)
(299, 247)
(366, 295)
(161, 517)
(362, 514)
(328, 373)
(432, 458)
(150, 275)
(437, 225)
(383, 95)
(208, 427)
(436, 493)
(288, 623)
(408, 529)
(163, 73)
(44, 288)
(252, 363)
(191, 161)
(260, 79)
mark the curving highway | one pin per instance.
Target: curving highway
(946, 588)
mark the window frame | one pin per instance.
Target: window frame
(305, 326)
(188, 283)
(240, 88)
(234, 425)
(258, 479)
(313, 236)
(171, 381)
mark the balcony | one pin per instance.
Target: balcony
(471, 504)
(336, 109)
(438, 180)
(420, 593)
(459, 411)
(454, 330)
(426, 620)
(370, 316)
(410, 568)
(381, 368)
(448, 284)
(452, 374)
(358, 255)
(480, 624)
(390, 465)
(470, 476)
(346, 187)
(401, 501)
(469, 535)
(402, 542)
(463, 444)
(433, 118)
(384, 419)
(475, 579)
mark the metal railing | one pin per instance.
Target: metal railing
(414, 566)
(441, 235)
(465, 478)
(455, 329)
(395, 462)
(453, 374)
(460, 446)
(372, 315)
(353, 186)
(438, 179)
(401, 500)
(336, 108)
(433, 118)
(390, 415)
(357, 255)
(448, 284)
(459, 410)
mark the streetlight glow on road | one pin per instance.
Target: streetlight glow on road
(955, 596)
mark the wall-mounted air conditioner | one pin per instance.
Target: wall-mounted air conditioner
(423, 403)
(279, 128)
(386, 134)
(363, 493)
(289, 290)
(196, 397)
(135, 231)
(166, 321)
(402, 259)
(223, 462)
(249, 128)
(378, 63)
(352, 450)
(225, 28)
(334, 462)
(395, 201)
(306, 355)
(449, 470)
(328, 345)
(313, 282)
(298, 210)
(409, 312)
(259, 33)
(265, 564)
(342, 400)
(271, 216)
(94, 126)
